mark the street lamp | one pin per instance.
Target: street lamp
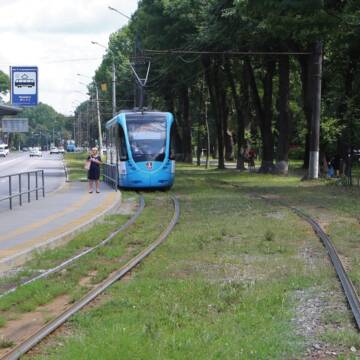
(119, 12)
(98, 112)
(135, 49)
(113, 76)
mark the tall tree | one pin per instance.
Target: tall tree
(4, 83)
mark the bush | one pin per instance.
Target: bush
(296, 153)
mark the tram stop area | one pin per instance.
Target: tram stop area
(51, 220)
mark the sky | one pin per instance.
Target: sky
(56, 36)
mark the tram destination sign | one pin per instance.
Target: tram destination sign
(15, 125)
(24, 85)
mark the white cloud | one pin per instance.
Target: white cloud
(56, 36)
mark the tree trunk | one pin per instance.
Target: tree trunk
(306, 90)
(345, 141)
(241, 113)
(282, 155)
(186, 130)
(264, 114)
(179, 123)
(212, 80)
(228, 139)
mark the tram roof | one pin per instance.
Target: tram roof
(134, 112)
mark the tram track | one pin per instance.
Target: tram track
(23, 347)
(347, 285)
(75, 258)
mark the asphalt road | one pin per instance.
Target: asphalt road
(17, 162)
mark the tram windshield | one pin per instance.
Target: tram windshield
(147, 136)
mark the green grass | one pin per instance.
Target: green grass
(222, 286)
(103, 261)
(75, 164)
(5, 343)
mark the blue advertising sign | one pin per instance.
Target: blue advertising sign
(24, 85)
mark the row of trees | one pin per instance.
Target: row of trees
(263, 100)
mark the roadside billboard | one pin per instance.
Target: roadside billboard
(15, 125)
(24, 85)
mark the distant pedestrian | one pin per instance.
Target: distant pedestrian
(251, 157)
(335, 163)
(331, 171)
(94, 161)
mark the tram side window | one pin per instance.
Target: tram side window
(123, 155)
(172, 142)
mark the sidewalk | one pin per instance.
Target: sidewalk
(51, 221)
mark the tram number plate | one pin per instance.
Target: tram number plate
(149, 165)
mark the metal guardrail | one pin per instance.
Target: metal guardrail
(110, 175)
(29, 189)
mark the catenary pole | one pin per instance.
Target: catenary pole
(98, 118)
(113, 85)
(113, 75)
(316, 113)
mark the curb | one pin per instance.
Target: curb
(13, 261)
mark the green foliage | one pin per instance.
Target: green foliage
(5, 343)
(240, 25)
(331, 129)
(4, 83)
(44, 121)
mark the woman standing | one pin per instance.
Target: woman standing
(94, 170)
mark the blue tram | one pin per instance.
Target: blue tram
(140, 143)
(70, 146)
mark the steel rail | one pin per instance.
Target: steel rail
(46, 330)
(347, 285)
(85, 252)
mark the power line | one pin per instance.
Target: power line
(229, 53)
(188, 61)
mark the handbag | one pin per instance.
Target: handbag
(87, 165)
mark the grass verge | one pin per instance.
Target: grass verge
(75, 164)
(225, 285)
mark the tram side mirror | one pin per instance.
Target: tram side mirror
(123, 158)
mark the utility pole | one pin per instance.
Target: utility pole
(136, 86)
(74, 128)
(88, 124)
(113, 85)
(316, 113)
(113, 73)
(129, 18)
(98, 118)
(208, 134)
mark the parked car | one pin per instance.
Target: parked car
(35, 152)
(4, 150)
(54, 150)
(61, 150)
